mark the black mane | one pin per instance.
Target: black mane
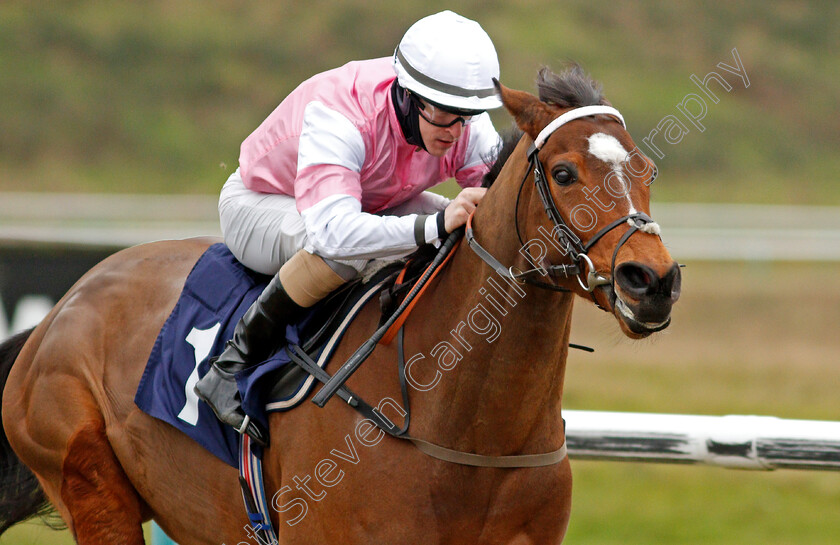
(510, 138)
(571, 88)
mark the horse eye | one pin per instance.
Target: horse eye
(563, 175)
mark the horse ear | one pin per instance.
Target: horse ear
(530, 112)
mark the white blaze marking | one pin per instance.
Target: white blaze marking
(608, 149)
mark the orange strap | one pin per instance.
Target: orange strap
(401, 276)
(398, 323)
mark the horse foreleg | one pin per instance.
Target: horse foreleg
(103, 504)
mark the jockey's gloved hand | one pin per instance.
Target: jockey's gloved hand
(457, 212)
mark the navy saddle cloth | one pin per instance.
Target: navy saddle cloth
(216, 294)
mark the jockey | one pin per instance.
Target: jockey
(336, 176)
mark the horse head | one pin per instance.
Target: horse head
(583, 206)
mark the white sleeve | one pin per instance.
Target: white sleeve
(329, 138)
(336, 228)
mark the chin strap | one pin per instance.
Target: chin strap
(407, 114)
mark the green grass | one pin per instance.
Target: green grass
(155, 96)
(35, 533)
(643, 504)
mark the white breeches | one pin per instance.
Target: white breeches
(264, 230)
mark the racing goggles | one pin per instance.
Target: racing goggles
(440, 116)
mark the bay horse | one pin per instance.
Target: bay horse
(487, 342)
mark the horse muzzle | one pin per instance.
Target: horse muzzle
(642, 299)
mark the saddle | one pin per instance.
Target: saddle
(322, 330)
(216, 294)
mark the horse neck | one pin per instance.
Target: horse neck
(510, 341)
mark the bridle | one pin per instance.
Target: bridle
(576, 250)
(580, 263)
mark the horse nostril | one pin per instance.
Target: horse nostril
(671, 284)
(636, 279)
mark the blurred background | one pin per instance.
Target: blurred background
(105, 106)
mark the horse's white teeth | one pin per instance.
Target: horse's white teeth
(624, 309)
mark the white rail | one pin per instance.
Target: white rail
(741, 442)
(692, 231)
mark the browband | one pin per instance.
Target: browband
(583, 111)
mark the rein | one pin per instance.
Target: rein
(334, 385)
(571, 244)
(580, 263)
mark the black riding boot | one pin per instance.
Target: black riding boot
(255, 338)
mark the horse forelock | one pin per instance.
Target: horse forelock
(571, 88)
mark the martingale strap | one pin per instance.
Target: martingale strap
(435, 451)
(480, 460)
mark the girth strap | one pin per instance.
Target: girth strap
(253, 489)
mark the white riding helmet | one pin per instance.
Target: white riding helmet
(449, 60)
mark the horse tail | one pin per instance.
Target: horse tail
(21, 496)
